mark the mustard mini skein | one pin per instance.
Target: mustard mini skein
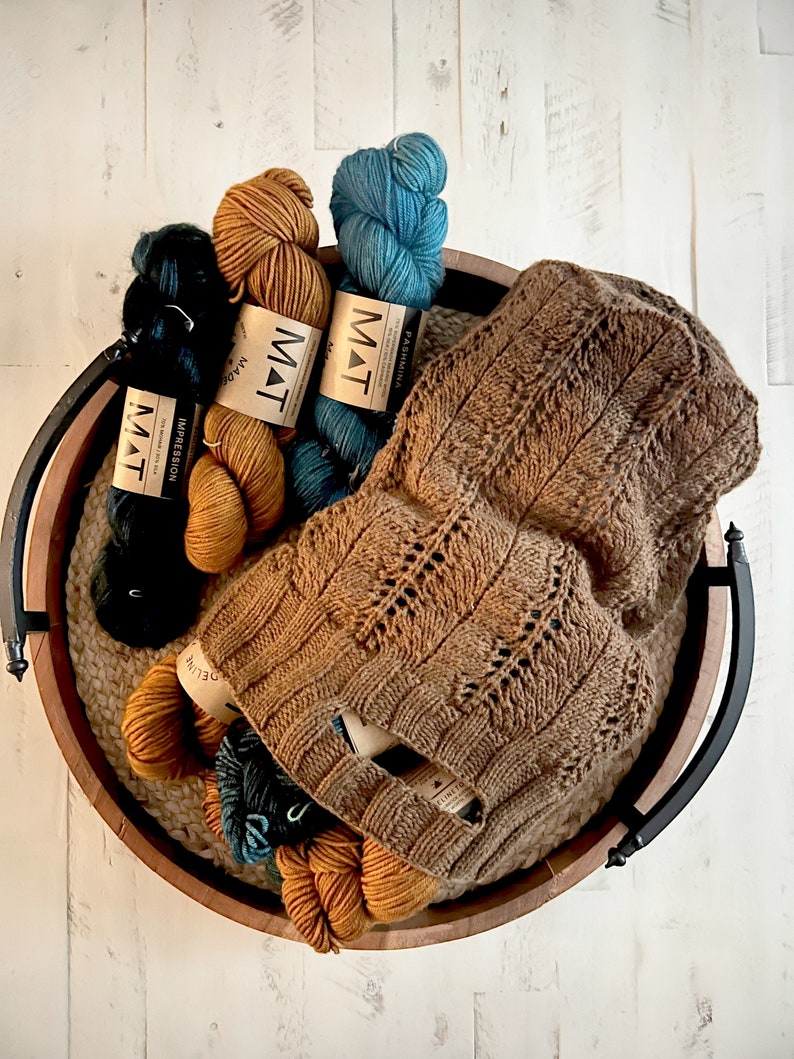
(336, 886)
(265, 237)
(392, 888)
(168, 736)
(211, 805)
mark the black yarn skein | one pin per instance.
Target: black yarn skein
(144, 590)
(261, 807)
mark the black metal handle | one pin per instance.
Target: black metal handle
(16, 622)
(644, 827)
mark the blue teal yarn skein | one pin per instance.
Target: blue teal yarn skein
(144, 591)
(261, 807)
(390, 227)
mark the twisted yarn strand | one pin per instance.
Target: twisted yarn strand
(261, 807)
(338, 884)
(211, 805)
(390, 226)
(321, 888)
(265, 238)
(393, 890)
(167, 735)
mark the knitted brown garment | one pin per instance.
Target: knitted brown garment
(483, 596)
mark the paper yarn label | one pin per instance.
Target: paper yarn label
(439, 787)
(429, 781)
(369, 352)
(204, 685)
(268, 370)
(365, 738)
(157, 443)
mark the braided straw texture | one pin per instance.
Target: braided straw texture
(106, 673)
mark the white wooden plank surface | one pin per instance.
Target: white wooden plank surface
(353, 79)
(654, 138)
(777, 102)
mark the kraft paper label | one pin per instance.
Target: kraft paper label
(268, 369)
(365, 738)
(369, 352)
(157, 443)
(439, 787)
(205, 687)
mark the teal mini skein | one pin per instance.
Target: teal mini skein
(261, 807)
(390, 226)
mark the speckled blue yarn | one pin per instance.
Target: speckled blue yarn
(390, 226)
(261, 807)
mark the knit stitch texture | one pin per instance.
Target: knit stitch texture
(486, 594)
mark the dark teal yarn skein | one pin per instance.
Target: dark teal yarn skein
(144, 591)
(390, 226)
(261, 807)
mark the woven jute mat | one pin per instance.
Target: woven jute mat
(107, 672)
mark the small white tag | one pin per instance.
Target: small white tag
(428, 780)
(439, 787)
(268, 369)
(205, 687)
(369, 352)
(157, 443)
(365, 738)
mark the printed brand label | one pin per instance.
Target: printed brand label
(205, 687)
(268, 369)
(157, 443)
(439, 787)
(365, 738)
(369, 352)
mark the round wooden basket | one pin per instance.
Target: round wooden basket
(474, 285)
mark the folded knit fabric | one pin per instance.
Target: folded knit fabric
(484, 596)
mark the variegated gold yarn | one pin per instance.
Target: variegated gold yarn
(212, 805)
(167, 735)
(265, 238)
(338, 884)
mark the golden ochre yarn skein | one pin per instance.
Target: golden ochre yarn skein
(211, 805)
(339, 884)
(167, 735)
(265, 237)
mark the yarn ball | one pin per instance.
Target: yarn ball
(266, 239)
(390, 226)
(261, 807)
(176, 310)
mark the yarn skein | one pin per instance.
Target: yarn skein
(143, 588)
(336, 886)
(266, 238)
(211, 805)
(261, 807)
(250, 801)
(390, 226)
(168, 737)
